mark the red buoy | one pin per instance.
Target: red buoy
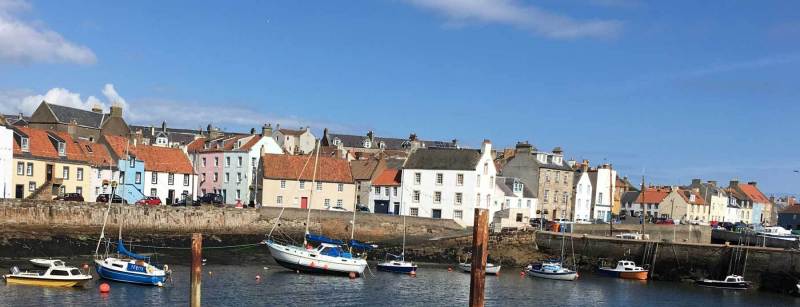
(258, 277)
(352, 275)
(413, 273)
(104, 288)
(85, 266)
(449, 269)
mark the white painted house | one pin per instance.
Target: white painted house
(168, 173)
(384, 194)
(511, 193)
(603, 181)
(583, 197)
(448, 183)
(6, 163)
(300, 141)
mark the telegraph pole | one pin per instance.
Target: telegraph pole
(641, 216)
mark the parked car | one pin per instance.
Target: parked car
(538, 222)
(362, 208)
(70, 197)
(103, 198)
(664, 221)
(600, 221)
(150, 201)
(211, 198)
(726, 225)
(337, 209)
(582, 221)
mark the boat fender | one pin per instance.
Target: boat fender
(449, 269)
(258, 277)
(352, 275)
(413, 273)
(85, 266)
(104, 288)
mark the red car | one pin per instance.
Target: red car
(150, 201)
(665, 222)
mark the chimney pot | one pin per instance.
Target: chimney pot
(753, 183)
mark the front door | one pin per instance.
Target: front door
(304, 202)
(49, 172)
(382, 206)
(170, 197)
(437, 213)
(396, 208)
(19, 191)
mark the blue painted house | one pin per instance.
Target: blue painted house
(131, 169)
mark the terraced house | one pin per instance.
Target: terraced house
(228, 164)
(47, 163)
(548, 176)
(291, 181)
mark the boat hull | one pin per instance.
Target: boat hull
(635, 275)
(17, 280)
(404, 269)
(111, 273)
(294, 258)
(569, 276)
(491, 270)
(723, 285)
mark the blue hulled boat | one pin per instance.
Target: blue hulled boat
(134, 269)
(398, 265)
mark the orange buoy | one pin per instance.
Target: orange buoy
(352, 275)
(449, 269)
(85, 266)
(413, 273)
(104, 288)
(521, 273)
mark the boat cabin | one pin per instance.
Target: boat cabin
(734, 279)
(333, 251)
(625, 265)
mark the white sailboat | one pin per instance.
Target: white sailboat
(553, 268)
(399, 264)
(329, 257)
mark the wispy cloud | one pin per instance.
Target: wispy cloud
(762, 62)
(523, 16)
(23, 42)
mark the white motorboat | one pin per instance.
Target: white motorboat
(54, 276)
(491, 269)
(626, 270)
(777, 232)
(734, 282)
(630, 236)
(326, 258)
(551, 269)
(46, 263)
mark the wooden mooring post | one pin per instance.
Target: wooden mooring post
(480, 251)
(197, 268)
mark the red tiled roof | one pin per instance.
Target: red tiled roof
(794, 209)
(280, 166)
(251, 142)
(686, 194)
(752, 192)
(196, 145)
(117, 144)
(163, 159)
(652, 196)
(389, 177)
(97, 154)
(41, 146)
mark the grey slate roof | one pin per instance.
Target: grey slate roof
(507, 186)
(66, 115)
(17, 119)
(357, 141)
(629, 197)
(182, 136)
(443, 159)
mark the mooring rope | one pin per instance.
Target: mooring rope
(189, 248)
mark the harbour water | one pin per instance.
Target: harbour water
(236, 285)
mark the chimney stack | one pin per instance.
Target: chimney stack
(696, 182)
(266, 130)
(713, 183)
(72, 128)
(558, 150)
(486, 146)
(734, 183)
(524, 148)
(97, 109)
(116, 111)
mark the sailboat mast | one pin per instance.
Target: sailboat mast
(311, 195)
(105, 218)
(403, 252)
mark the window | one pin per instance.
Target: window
(283, 184)
(546, 192)
(227, 177)
(377, 191)
(153, 192)
(79, 190)
(238, 194)
(478, 200)
(565, 177)
(302, 185)
(367, 143)
(394, 191)
(386, 191)
(227, 161)
(138, 179)
(253, 162)
(478, 182)
(239, 161)
(121, 177)
(319, 186)
(62, 149)
(340, 188)
(279, 200)
(204, 162)
(460, 179)
(547, 176)
(327, 203)
(186, 180)
(238, 177)
(564, 196)
(65, 173)
(216, 161)
(31, 186)
(154, 178)
(24, 144)
(132, 162)
(519, 217)
(20, 168)
(459, 198)
(204, 176)
(458, 214)
(415, 196)
(600, 198)
(439, 179)
(29, 169)
(79, 174)
(417, 178)
(171, 179)
(338, 203)
(519, 203)
(437, 197)
(485, 168)
(558, 176)
(414, 212)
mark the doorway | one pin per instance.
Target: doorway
(382, 206)
(49, 172)
(304, 203)
(170, 197)
(437, 213)
(396, 208)
(19, 191)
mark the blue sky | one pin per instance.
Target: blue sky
(671, 89)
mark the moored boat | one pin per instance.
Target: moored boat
(327, 258)
(46, 263)
(625, 269)
(734, 282)
(54, 276)
(397, 266)
(777, 232)
(551, 269)
(135, 269)
(491, 269)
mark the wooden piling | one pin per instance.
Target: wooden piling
(197, 268)
(480, 251)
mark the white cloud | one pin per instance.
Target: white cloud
(23, 101)
(22, 42)
(527, 17)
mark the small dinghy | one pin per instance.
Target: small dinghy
(54, 276)
(491, 269)
(46, 263)
(626, 270)
(551, 269)
(734, 282)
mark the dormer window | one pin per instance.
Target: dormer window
(161, 141)
(406, 144)
(367, 143)
(24, 144)
(62, 149)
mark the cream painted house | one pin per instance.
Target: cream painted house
(289, 181)
(684, 206)
(48, 163)
(715, 196)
